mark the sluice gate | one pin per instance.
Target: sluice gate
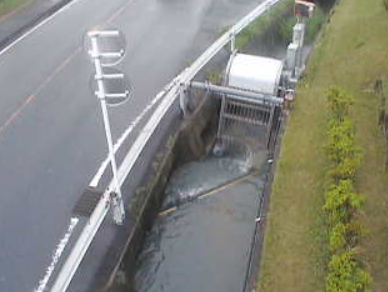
(250, 119)
(252, 96)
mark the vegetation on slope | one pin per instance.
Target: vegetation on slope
(7, 6)
(351, 53)
(280, 20)
(313, 25)
(272, 20)
(343, 204)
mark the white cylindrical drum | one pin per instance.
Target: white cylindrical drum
(255, 73)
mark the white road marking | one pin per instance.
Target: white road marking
(96, 179)
(40, 24)
(56, 255)
(74, 221)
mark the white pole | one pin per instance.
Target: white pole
(118, 205)
(233, 44)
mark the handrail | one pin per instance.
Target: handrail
(170, 93)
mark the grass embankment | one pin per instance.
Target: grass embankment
(7, 6)
(279, 20)
(274, 17)
(352, 54)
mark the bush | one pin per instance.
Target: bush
(341, 141)
(342, 202)
(272, 18)
(346, 169)
(338, 237)
(313, 25)
(341, 146)
(345, 275)
(339, 102)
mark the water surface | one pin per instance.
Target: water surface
(205, 244)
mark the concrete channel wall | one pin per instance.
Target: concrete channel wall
(179, 141)
(182, 141)
(187, 140)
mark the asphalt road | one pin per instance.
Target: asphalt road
(51, 133)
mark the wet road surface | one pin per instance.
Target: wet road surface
(51, 133)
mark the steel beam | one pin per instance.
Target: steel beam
(240, 94)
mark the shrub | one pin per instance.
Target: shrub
(341, 146)
(313, 25)
(273, 17)
(342, 196)
(345, 275)
(341, 141)
(342, 202)
(338, 237)
(339, 102)
(346, 169)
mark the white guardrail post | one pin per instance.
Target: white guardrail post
(171, 93)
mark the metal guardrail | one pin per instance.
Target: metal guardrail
(171, 93)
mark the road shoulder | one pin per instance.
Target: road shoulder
(17, 22)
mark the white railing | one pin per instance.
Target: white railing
(170, 95)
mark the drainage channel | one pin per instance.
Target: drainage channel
(202, 237)
(206, 233)
(202, 243)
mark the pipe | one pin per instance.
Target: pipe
(247, 96)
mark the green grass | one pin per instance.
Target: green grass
(313, 25)
(7, 6)
(264, 22)
(352, 53)
(280, 19)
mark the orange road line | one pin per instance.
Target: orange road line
(32, 97)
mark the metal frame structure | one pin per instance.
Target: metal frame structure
(241, 106)
(173, 91)
(115, 195)
(239, 93)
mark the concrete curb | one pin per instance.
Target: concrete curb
(37, 19)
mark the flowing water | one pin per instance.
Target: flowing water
(204, 244)
(202, 239)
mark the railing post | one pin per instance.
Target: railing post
(182, 98)
(233, 43)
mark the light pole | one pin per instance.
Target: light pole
(116, 195)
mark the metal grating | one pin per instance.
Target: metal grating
(245, 121)
(87, 202)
